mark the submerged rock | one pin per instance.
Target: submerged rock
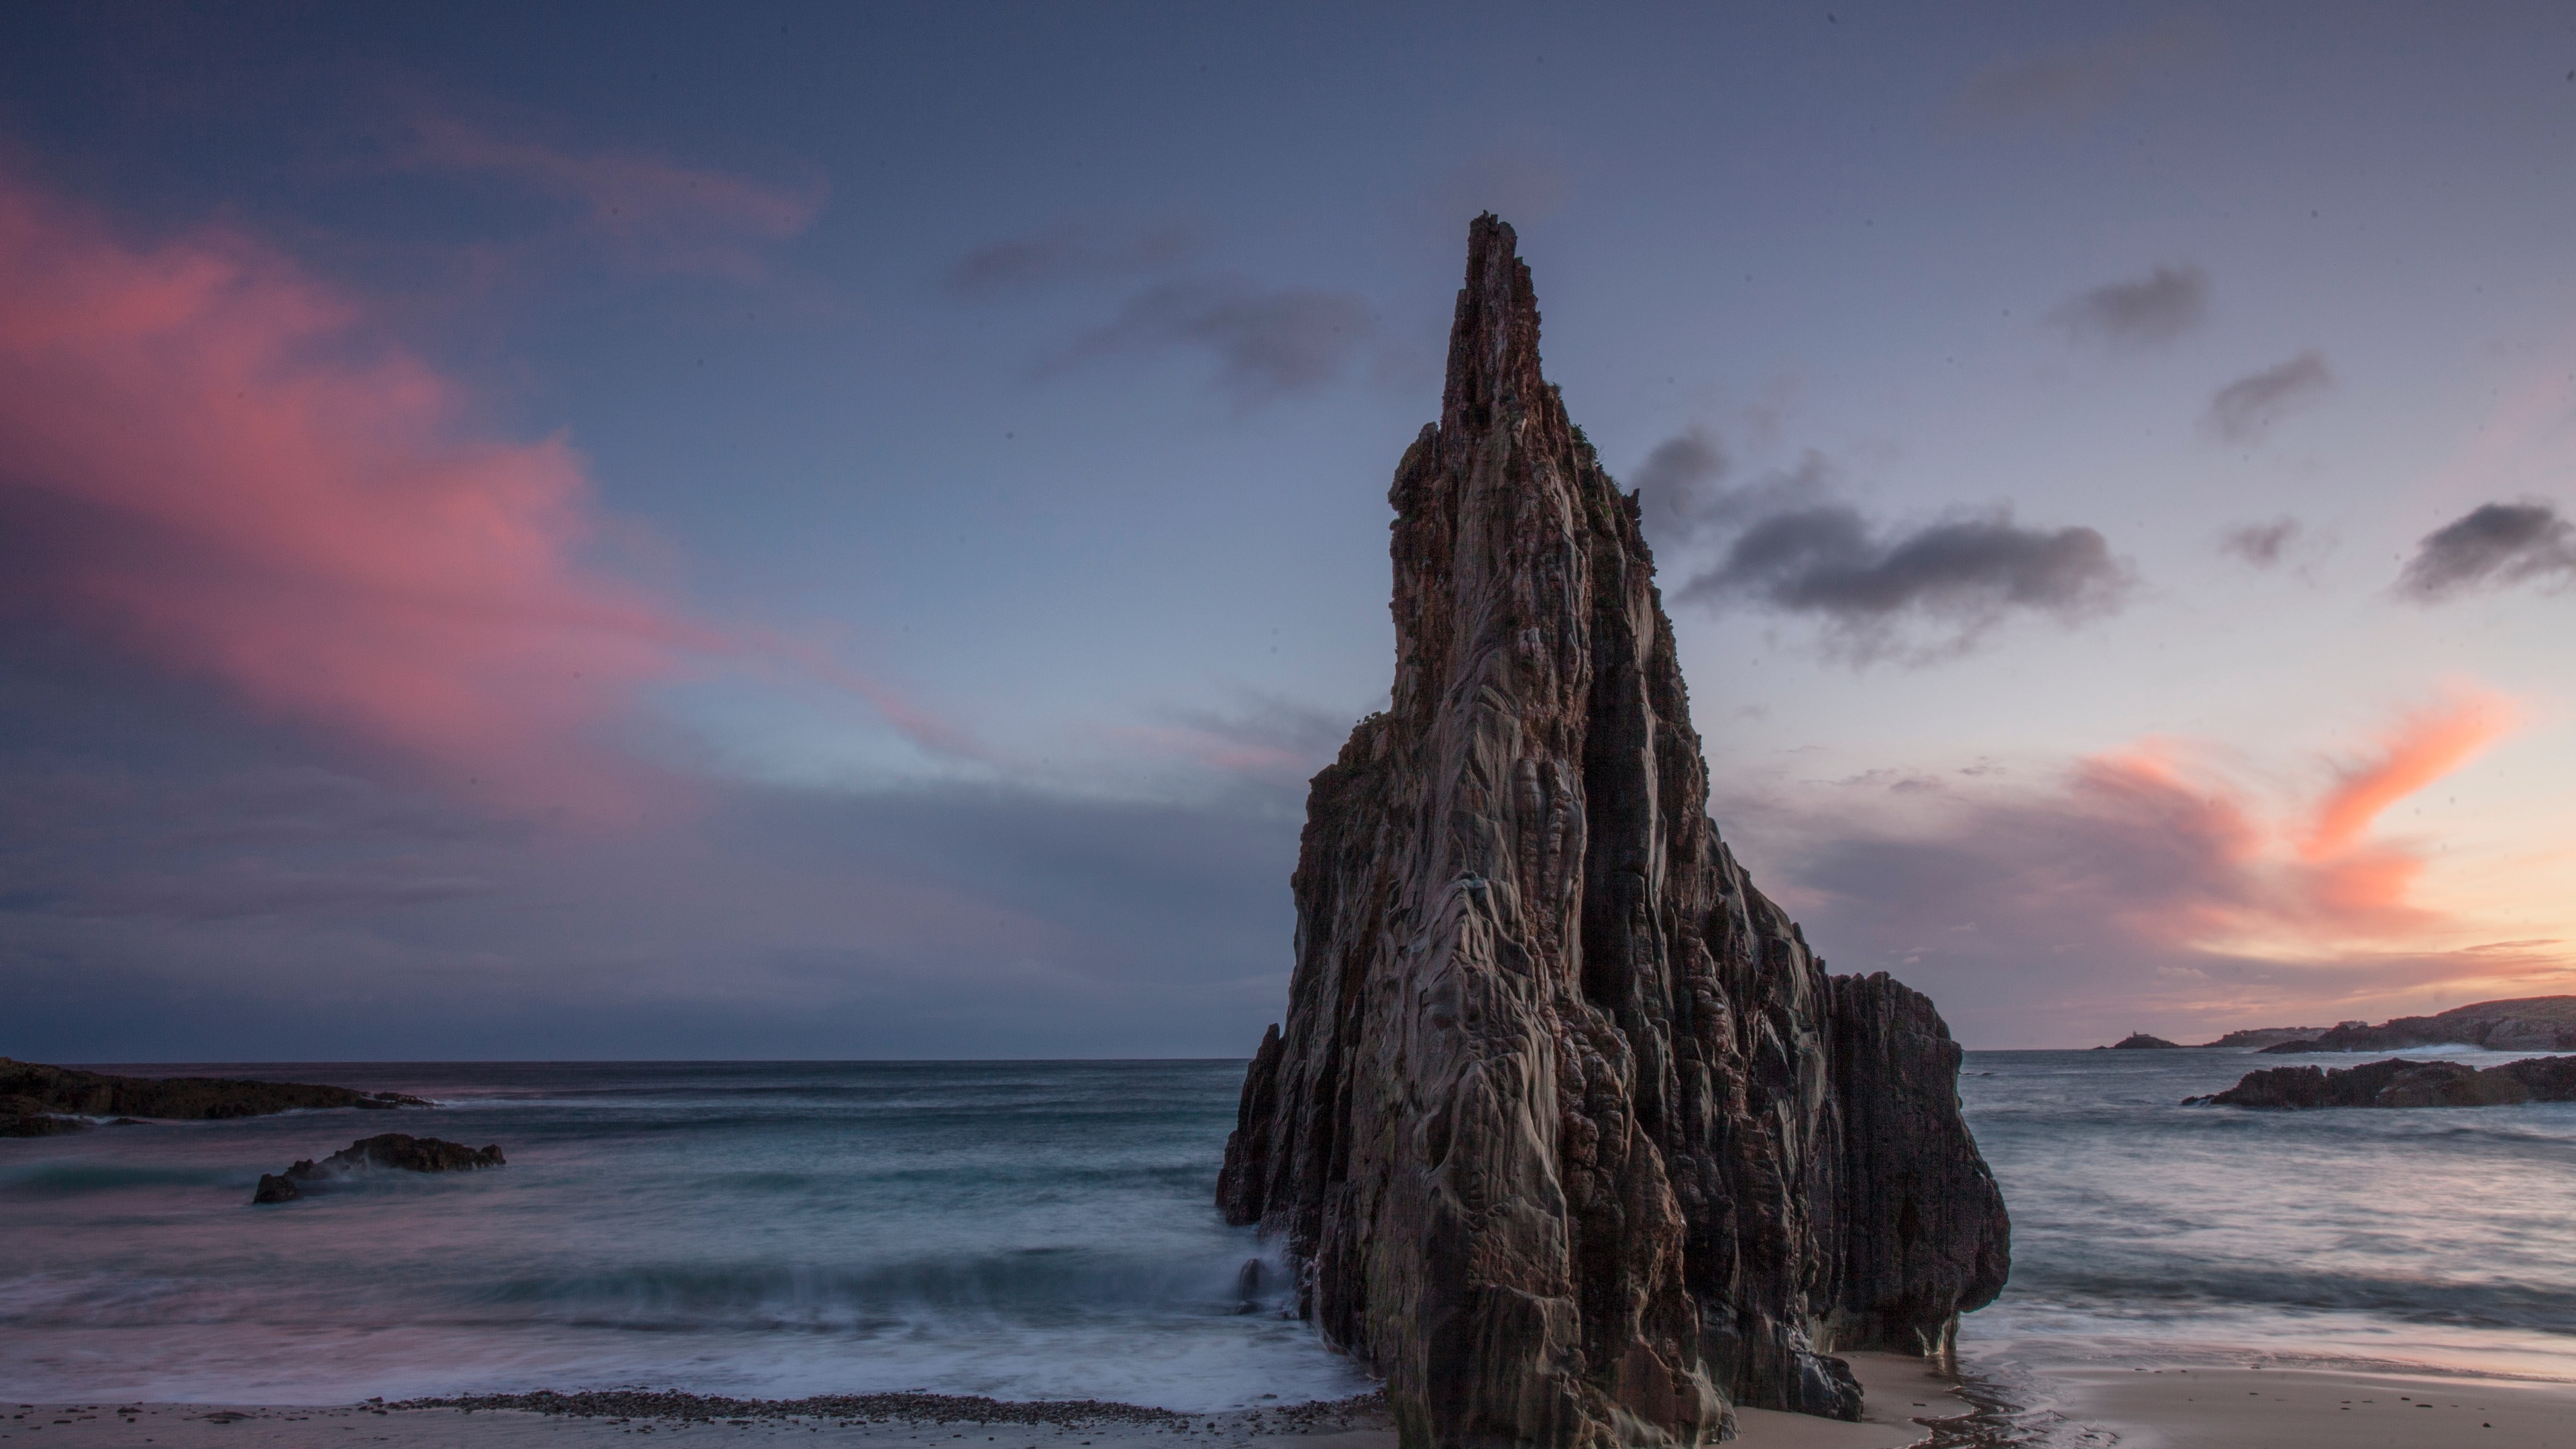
(386, 1149)
(31, 1089)
(2401, 1083)
(1568, 1134)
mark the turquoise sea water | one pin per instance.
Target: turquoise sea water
(1035, 1230)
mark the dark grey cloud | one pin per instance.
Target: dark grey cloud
(2244, 410)
(178, 882)
(2261, 544)
(2492, 546)
(2072, 84)
(943, 922)
(1924, 593)
(2151, 311)
(1267, 342)
(1683, 495)
(1068, 252)
(1676, 485)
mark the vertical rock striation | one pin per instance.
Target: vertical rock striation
(1568, 1133)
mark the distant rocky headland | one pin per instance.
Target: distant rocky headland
(2261, 1036)
(2526, 1024)
(1569, 1134)
(38, 1100)
(2398, 1082)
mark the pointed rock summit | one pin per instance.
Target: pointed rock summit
(1568, 1133)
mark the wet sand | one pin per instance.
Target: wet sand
(1907, 1404)
(2294, 1408)
(1899, 1392)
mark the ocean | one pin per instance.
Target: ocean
(1045, 1230)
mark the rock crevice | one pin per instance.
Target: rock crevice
(1567, 1131)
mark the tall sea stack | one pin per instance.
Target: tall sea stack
(1569, 1134)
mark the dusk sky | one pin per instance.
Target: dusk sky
(833, 531)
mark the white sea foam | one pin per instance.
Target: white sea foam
(1026, 1231)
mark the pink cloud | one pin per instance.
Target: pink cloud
(1217, 751)
(2424, 747)
(666, 217)
(2310, 879)
(2143, 886)
(206, 462)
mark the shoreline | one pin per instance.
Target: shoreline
(2010, 1396)
(1905, 1398)
(2006, 1402)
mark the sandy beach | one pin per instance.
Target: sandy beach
(2168, 1408)
(2293, 1408)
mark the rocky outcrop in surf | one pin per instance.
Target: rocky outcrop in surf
(1568, 1132)
(36, 1099)
(386, 1149)
(2401, 1083)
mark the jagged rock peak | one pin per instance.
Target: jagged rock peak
(1493, 344)
(1567, 1132)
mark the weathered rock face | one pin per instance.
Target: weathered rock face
(1570, 1135)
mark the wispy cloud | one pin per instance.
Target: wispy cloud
(951, 920)
(1066, 252)
(1267, 342)
(2261, 544)
(1676, 485)
(2149, 879)
(2246, 409)
(2072, 84)
(2151, 311)
(2493, 545)
(659, 214)
(1268, 740)
(213, 464)
(2421, 748)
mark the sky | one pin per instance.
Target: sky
(826, 531)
